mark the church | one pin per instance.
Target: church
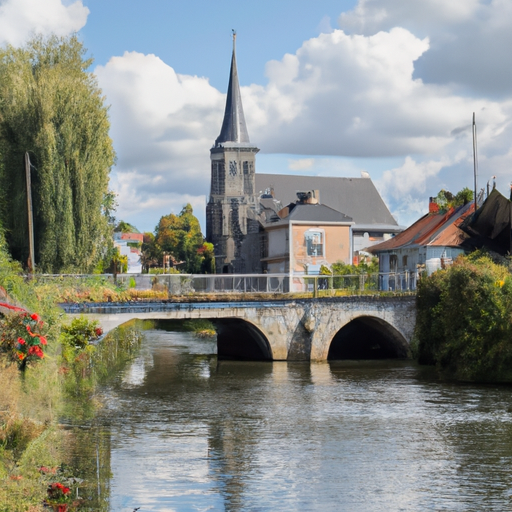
(280, 223)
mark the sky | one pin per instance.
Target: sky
(329, 88)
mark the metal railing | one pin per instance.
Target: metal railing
(186, 284)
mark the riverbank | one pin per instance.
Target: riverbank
(49, 370)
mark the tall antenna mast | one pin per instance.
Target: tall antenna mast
(475, 163)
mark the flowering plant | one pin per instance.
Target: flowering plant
(58, 494)
(21, 336)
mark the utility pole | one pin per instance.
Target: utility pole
(31, 263)
(475, 167)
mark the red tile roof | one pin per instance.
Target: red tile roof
(434, 229)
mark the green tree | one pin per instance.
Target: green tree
(447, 200)
(52, 107)
(180, 235)
(125, 227)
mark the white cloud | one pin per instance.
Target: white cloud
(410, 177)
(20, 19)
(470, 39)
(355, 95)
(144, 208)
(163, 123)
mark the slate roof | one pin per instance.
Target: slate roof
(355, 197)
(314, 213)
(433, 229)
(233, 128)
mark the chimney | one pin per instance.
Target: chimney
(433, 207)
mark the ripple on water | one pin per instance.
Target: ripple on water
(191, 433)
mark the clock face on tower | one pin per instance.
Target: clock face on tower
(232, 168)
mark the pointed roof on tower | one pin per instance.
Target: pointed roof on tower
(233, 128)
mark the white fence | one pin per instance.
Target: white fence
(184, 284)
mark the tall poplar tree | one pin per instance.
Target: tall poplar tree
(52, 107)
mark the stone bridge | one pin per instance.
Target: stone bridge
(361, 327)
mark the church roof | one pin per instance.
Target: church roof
(233, 128)
(355, 197)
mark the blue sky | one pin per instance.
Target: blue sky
(329, 88)
(194, 36)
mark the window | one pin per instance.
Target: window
(393, 263)
(404, 261)
(314, 243)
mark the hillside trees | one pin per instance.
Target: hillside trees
(52, 107)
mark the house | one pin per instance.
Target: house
(242, 202)
(355, 197)
(305, 235)
(129, 245)
(432, 242)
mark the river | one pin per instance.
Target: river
(186, 432)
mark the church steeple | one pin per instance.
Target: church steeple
(233, 126)
(232, 210)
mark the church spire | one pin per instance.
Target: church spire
(233, 127)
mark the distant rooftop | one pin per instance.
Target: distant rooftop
(355, 197)
(312, 213)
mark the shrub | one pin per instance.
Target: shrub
(80, 332)
(464, 320)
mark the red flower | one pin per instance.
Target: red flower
(21, 356)
(21, 341)
(35, 317)
(36, 351)
(98, 331)
(43, 341)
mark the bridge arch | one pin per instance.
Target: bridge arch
(368, 337)
(237, 338)
(241, 340)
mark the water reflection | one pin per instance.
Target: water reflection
(188, 432)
